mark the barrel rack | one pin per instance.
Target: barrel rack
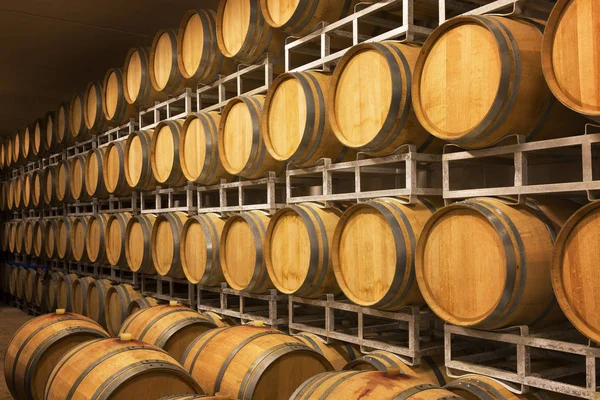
(166, 288)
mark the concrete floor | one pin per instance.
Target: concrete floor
(11, 319)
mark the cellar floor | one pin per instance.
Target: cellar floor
(11, 319)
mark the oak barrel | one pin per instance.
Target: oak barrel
(166, 234)
(10, 195)
(140, 304)
(337, 353)
(115, 107)
(50, 134)
(20, 237)
(39, 237)
(116, 227)
(4, 160)
(37, 188)
(18, 192)
(575, 270)
(369, 385)
(505, 279)
(63, 182)
(77, 178)
(300, 18)
(39, 147)
(50, 238)
(165, 153)
(295, 123)
(241, 144)
(243, 34)
(38, 345)
(17, 157)
(568, 50)
(138, 160)
(115, 306)
(52, 293)
(79, 290)
(199, 248)
(113, 169)
(373, 251)
(136, 79)
(28, 239)
(198, 54)
(138, 243)
(77, 127)
(26, 144)
(95, 239)
(164, 71)
(21, 282)
(49, 182)
(8, 152)
(94, 174)
(241, 252)
(431, 368)
(496, 60)
(12, 239)
(95, 299)
(478, 387)
(64, 294)
(298, 247)
(199, 150)
(93, 115)
(117, 369)
(26, 190)
(78, 234)
(30, 287)
(234, 359)
(42, 281)
(220, 320)
(170, 327)
(62, 125)
(63, 238)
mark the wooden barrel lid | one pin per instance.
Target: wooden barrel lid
(62, 128)
(134, 159)
(78, 178)
(63, 181)
(112, 167)
(162, 58)
(234, 19)
(199, 133)
(163, 254)
(237, 137)
(165, 152)
(112, 93)
(49, 133)
(39, 129)
(133, 75)
(76, 115)
(569, 50)
(461, 69)
(194, 251)
(192, 43)
(279, 12)
(78, 233)
(239, 252)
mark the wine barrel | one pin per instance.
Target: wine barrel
(39, 148)
(95, 299)
(241, 144)
(50, 183)
(166, 233)
(14, 278)
(117, 369)
(64, 296)
(430, 369)
(299, 19)
(38, 240)
(241, 252)
(77, 127)
(116, 226)
(140, 304)
(38, 345)
(8, 152)
(199, 152)
(115, 306)
(79, 289)
(16, 148)
(113, 169)
(337, 353)
(295, 124)
(63, 182)
(93, 115)
(170, 327)
(30, 287)
(13, 238)
(20, 237)
(26, 144)
(28, 239)
(478, 387)
(64, 228)
(10, 196)
(165, 153)
(49, 134)
(574, 271)
(77, 178)
(164, 71)
(298, 250)
(234, 359)
(21, 282)
(198, 55)
(5, 235)
(52, 300)
(219, 320)
(95, 239)
(505, 279)
(94, 179)
(138, 162)
(137, 84)
(18, 192)
(138, 243)
(199, 249)
(115, 107)
(37, 188)
(26, 188)
(500, 65)
(369, 385)
(78, 233)
(385, 233)
(3, 159)
(568, 49)
(62, 126)
(369, 102)
(42, 282)
(243, 34)
(50, 238)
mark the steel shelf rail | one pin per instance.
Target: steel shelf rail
(533, 8)
(178, 107)
(577, 151)
(168, 199)
(572, 353)
(166, 288)
(118, 133)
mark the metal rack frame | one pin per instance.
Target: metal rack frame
(178, 289)
(178, 107)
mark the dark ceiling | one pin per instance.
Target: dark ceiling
(52, 48)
